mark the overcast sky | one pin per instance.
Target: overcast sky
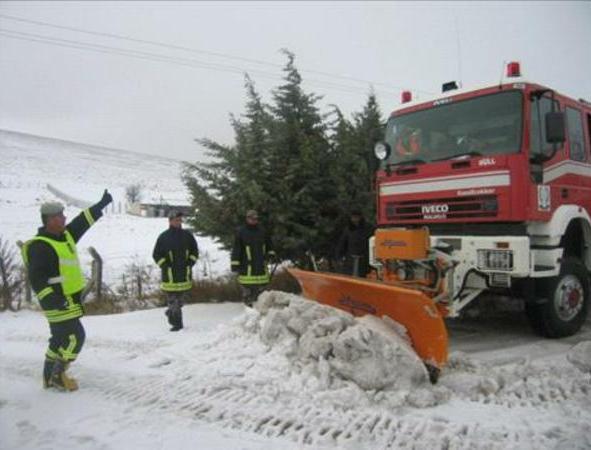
(67, 72)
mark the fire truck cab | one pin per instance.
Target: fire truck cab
(501, 178)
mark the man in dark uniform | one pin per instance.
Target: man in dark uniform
(353, 245)
(55, 274)
(176, 253)
(251, 250)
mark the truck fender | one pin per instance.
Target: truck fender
(549, 234)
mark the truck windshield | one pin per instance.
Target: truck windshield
(488, 125)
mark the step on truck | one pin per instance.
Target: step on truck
(478, 190)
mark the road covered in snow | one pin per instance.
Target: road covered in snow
(293, 374)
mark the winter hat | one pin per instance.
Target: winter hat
(51, 208)
(173, 214)
(252, 214)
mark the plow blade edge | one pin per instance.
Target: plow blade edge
(412, 309)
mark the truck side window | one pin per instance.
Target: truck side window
(539, 108)
(576, 137)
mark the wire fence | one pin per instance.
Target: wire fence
(137, 285)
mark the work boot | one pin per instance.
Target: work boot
(47, 370)
(60, 380)
(71, 381)
(176, 321)
(175, 317)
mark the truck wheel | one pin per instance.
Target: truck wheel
(567, 301)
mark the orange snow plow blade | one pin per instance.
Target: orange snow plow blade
(358, 296)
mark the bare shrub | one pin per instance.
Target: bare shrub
(11, 279)
(139, 289)
(227, 289)
(222, 289)
(108, 304)
(133, 193)
(139, 286)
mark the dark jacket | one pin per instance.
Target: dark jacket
(43, 263)
(176, 253)
(354, 242)
(251, 250)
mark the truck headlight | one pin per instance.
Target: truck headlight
(381, 150)
(495, 259)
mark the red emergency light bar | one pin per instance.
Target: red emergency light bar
(513, 69)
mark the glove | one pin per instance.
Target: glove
(272, 258)
(107, 198)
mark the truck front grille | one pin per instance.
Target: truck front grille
(442, 208)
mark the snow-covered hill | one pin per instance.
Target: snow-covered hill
(30, 163)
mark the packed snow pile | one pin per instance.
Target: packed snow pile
(365, 351)
(371, 360)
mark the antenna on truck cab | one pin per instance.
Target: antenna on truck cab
(459, 51)
(502, 73)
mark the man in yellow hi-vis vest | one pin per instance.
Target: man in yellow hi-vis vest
(56, 277)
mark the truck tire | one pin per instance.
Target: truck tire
(567, 301)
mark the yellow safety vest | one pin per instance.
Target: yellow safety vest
(70, 276)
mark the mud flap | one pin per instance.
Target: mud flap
(412, 309)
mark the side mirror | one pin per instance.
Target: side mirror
(555, 128)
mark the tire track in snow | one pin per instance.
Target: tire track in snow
(244, 407)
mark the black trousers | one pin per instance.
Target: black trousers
(66, 341)
(356, 265)
(175, 302)
(250, 292)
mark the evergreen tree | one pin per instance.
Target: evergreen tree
(368, 129)
(299, 161)
(354, 166)
(285, 164)
(222, 190)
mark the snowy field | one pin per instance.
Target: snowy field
(82, 172)
(290, 374)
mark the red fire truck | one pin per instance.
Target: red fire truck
(501, 176)
(478, 190)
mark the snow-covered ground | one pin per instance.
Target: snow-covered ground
(80, 171)
(290, 374)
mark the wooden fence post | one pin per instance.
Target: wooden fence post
(25, 279)
(97, 272)
(96, 275)
(5, 292)
(27, 286)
